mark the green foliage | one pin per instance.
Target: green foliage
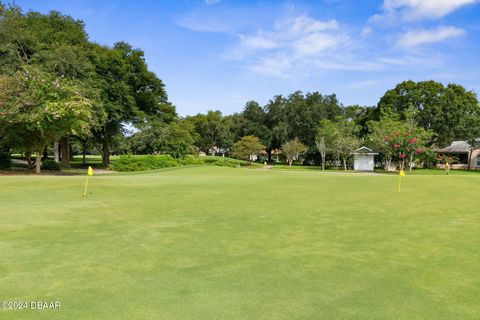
(247, 147)
(212, 161)
(5, 161)
(50, 165)
(443, 109)
(292, 150)
(142, 163)
(254, 123)
(390, 131)
(210, 130)
(174, 139)
(40, 108)
(129, 92)
(427, 158)
(340, 137)
(402, 146)
(152, 162)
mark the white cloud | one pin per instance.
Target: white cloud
(429, 9)
(394, 11)
(418, 37)
(258, 42)
(293, 42)
(318, 42)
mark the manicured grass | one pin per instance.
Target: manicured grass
(226, 243)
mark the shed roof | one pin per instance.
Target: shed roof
(364, 150)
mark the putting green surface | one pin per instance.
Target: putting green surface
(223, 243)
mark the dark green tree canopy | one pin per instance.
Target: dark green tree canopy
(442, 109)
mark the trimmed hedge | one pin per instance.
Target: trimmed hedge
(152, 162)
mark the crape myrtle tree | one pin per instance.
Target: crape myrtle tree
(43, 108)
(341, 138)
(401, 146)
(320, 144)
(347, 139)
(329, 134)
(247, 147)
(53, 44)
(292, 150)
(441, 109)
(401, 141)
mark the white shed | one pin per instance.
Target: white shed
(363, 159)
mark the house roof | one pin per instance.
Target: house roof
(456, 147)
(364, 150)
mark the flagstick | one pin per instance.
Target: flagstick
(86, 185)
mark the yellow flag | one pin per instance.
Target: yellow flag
(90, 171)
(402, 174)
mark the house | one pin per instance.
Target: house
(363, 159)
(464, 154)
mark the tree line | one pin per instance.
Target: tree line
(61, 92)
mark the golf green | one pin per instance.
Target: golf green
(225, 243)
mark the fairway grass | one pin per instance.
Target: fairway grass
(224, 243)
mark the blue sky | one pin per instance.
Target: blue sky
(218, 54)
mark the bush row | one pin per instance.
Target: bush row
(152, 162)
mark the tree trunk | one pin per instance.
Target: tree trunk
(38, 161)
(56, 153)
(269, 154)
(469, 160)
(323, 161)
(105, 152)
(388, 161)
(65, 152)
(84, 151)
(28, 156)
(345, 164)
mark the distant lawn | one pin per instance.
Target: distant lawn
(223, 243)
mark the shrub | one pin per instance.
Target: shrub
(150, 162)
(191, 161)
(50, 165)
(5, 161)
